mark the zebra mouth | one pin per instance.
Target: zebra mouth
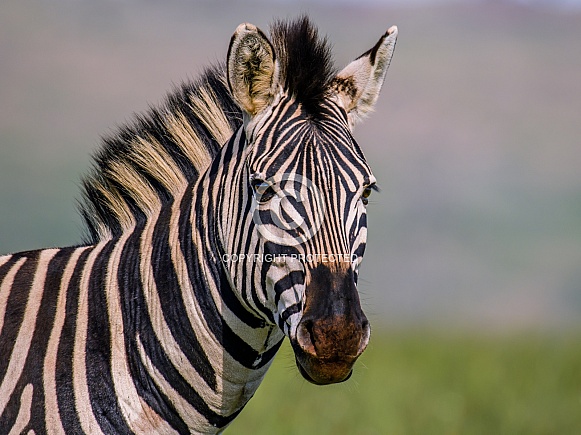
(328, 375)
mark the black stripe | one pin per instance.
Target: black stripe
(296, 277)
(270, 353)
(43, 329)
(263, 273)
(230, 299)
(8, 417)
(5, 268)
(64, 362)
(16, 306)
(253, 290)
(98, 349)
(293, 309)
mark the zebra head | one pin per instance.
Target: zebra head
(305, 184)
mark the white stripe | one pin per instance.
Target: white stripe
(23, 416)
(26, 331)
(4, 259)
(53, 421)
(6, 287)
(80, 386)
(137, 414)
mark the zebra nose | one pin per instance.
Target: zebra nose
(337, 338)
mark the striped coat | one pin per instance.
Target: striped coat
(218, 223)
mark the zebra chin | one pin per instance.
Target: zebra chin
(321, 372)
(327, 349)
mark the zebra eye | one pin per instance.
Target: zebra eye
(365, 195)
(262, 190)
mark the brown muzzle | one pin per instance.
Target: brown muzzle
(333, 330)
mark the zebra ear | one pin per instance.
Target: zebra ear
(252, 69)
(359, 83)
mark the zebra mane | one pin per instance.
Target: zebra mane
(306, 63)
(150, 161)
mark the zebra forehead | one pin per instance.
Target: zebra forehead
(315, 146)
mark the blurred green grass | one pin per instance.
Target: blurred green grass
(430, 383)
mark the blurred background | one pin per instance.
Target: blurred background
(472, 278)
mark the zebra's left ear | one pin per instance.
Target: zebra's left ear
(359, 83)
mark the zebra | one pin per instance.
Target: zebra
(218, 223)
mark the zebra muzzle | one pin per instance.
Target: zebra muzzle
(333, 330)
(326, 348)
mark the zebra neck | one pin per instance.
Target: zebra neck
(186, 344)
(211, 346)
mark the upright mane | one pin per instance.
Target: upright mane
(306, 64)
(151, 161)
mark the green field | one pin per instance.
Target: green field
(418, 383)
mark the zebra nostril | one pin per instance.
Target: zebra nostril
(306, 337)
(364, 325)
(365, 333)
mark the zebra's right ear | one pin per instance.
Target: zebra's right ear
(252, 69)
